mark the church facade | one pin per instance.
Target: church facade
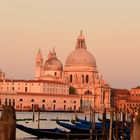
(74, 86)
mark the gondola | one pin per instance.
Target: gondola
(82, 121)
(41, 133)
(74, 128)
(55, 133)
(98, 125)
(82, 128)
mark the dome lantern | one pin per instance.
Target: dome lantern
(81, 42)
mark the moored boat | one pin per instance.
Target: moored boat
(55, 133)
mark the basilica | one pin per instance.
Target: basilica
(76, 85)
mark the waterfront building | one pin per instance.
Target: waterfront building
(76, 86)
(131, 104)
(117, 95)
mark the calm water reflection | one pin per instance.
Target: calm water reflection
(20, 135)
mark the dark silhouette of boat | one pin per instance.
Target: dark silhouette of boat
(74, 128)
(55, 133)
(41, 133)
(82, 128)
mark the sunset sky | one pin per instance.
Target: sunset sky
(111, 29)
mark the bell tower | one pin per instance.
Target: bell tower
(38, 65)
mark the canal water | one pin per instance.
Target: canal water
(47, 121)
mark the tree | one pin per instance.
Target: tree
(72, 90)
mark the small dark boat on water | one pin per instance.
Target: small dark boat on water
(42, 133)
(56, 133)
(74, 128)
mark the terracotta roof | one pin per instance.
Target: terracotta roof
(115, 92)
(138, 87)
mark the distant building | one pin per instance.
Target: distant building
(43, 94)
(131, 104)
(117, 95)
(53, 84)
(2, 75)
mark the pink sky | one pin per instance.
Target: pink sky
(111, 29)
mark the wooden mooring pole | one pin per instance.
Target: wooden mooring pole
(103, 126)
(111, 123)
(136, 128)
(117, 123)
(8, 124)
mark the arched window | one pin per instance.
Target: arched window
(88, 92)
(64, 101)
(87, 78)
(54, 101)
(64, 107)
(43, 107)
(82, 78)
(55, 73)
(54, 107)
(13, 102)
(74, 107)
(71, 78)
(26, 89)
(9, 102)
(5, 101)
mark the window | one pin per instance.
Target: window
(55, 73)
(82, 78)
(13, 102)
(43, 100)
(5, 101)
(87, 78)
(70, 78)
(26, 89)
(32, 100)
(54, 101)
(9, 102)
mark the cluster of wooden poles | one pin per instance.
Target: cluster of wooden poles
(127, 121)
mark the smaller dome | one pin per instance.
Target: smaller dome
(53, 64)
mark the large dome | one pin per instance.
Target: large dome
(53, 64)
(80, 56)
